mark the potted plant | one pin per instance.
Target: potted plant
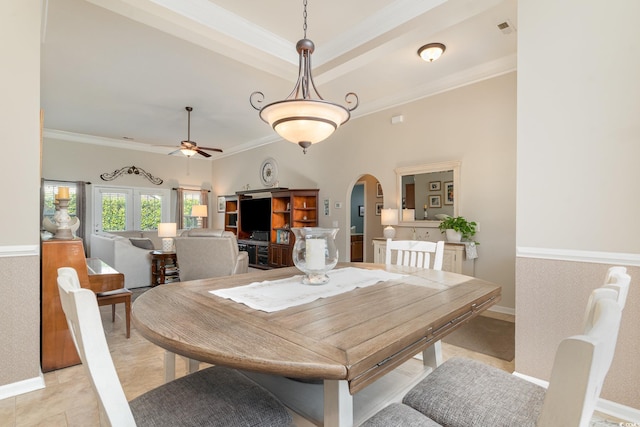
(458, 228)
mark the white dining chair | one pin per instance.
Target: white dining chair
(215, 396)
(418, 253)
(415, 253)
(464, 392)
(616, 287)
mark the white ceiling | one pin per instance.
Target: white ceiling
(116, 69)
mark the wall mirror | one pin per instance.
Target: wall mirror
(432, 189)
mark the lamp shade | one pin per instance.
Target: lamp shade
(188, 152)
(199, 210)
(432, 51)
(304, 120)
(167, 229)
(408, 215)
(389, 217)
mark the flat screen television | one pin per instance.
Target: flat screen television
(255, 215)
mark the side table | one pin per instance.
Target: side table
(164, 268)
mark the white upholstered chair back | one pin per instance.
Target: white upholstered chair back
(203, 253)
(83, 317)
(415, 253)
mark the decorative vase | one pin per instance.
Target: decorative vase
(453, 235)
(315, 253)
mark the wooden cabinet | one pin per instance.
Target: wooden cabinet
(289, 208)
(164, 268)
(257, 251)
(357, 248)
(280, 255)
(453, 257)
(231, 214)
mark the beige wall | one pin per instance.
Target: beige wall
(62, 162)
(20, 175)
(474, 124)
(578, 149)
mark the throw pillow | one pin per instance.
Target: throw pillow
(141, 243)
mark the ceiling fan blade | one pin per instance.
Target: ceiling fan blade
(202, 153)
(210, 149)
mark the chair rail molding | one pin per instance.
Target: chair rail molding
(579, 255)
(19, 250)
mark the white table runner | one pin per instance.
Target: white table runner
(277, 295)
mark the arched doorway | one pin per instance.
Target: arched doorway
(364, 217)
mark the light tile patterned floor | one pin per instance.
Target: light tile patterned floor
(68, 399)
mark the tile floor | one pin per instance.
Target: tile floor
(68, 399)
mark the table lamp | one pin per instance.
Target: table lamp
(167, 230)
(408, 215)
(199, 211)
(389, 217)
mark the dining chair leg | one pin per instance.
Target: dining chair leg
(113, 313)
(127, 310)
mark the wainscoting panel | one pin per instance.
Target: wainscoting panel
(20, 315)
(551, 296)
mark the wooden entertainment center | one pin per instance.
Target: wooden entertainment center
(289, 208)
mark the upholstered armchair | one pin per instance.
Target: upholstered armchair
(205, 252)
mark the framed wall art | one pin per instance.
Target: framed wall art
(448, 193)
(434, 201)
(378, 190)
(221, 204)
(378, 209)
(434, 186)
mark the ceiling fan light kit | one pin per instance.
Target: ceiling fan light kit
(304, 117)
(189, 148)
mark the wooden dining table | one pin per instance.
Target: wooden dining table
(322, 356)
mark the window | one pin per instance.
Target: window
(190, 198)
(50, 191)
(121, 208)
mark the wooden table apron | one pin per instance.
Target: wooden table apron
(357, 336)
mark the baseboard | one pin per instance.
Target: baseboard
(614, 258)
(503, 310)
(21, 387)
(604, 406)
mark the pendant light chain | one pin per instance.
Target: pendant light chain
(304, 15)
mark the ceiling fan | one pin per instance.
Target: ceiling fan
(190, 148)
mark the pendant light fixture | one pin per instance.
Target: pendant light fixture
(304, 117)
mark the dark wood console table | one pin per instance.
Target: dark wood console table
(164, 268)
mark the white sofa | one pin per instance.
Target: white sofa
(117, 250)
